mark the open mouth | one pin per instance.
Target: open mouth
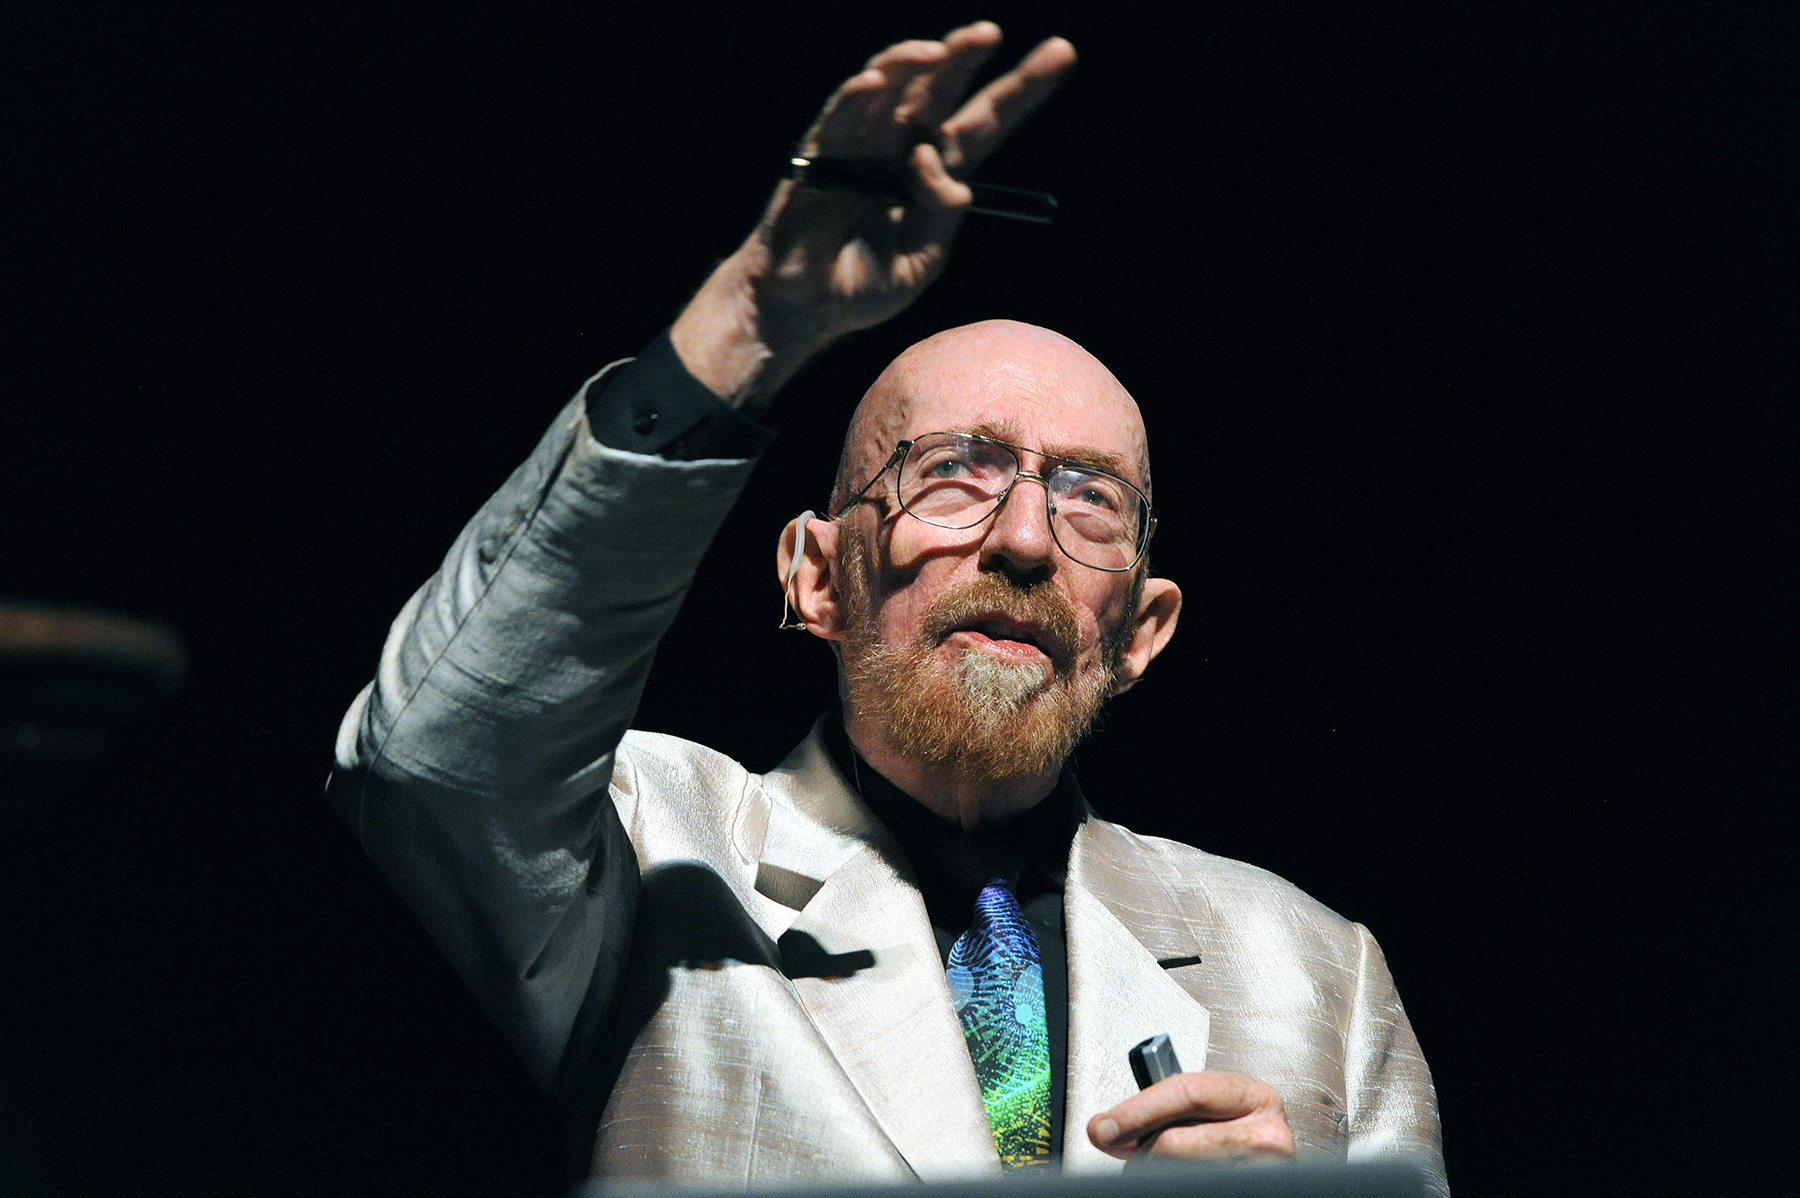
(1006, 635)
(1007, 623)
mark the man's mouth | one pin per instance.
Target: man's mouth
(1001, 628)
(1035, 626)
(1006, 637)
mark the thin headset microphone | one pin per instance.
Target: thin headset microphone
(787, 585)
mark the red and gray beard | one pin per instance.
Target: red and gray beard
(989, 719)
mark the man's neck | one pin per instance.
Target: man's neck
(946, 790)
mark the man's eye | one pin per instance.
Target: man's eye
(1091, 492)
(949, 468)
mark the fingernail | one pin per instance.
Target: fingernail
(1107, 1130)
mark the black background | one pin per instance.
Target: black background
(1464, 336)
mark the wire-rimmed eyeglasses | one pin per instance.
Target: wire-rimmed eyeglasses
(957, 480)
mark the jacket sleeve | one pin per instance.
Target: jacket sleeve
(1393, 1106)
(474, 769)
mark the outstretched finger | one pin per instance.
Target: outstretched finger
(860, 120)
(978, 128)
(847, 112)
(906, 67)
(934, 95)
(912, 53)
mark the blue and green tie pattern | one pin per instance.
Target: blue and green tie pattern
(997, 981)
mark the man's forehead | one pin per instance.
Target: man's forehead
(1083, 453)
(1015, 382)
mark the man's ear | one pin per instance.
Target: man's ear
(809, 583)
(1159, 606)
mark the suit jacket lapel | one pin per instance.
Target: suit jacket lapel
(890, 1022)
(892, 1026)
(1118, 994)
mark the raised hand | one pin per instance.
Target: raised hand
(824, 263)
(857, 260)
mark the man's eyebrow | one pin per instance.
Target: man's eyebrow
(1081, 455)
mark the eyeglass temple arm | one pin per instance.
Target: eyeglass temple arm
(894, 459)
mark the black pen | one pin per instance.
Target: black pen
(866, 177)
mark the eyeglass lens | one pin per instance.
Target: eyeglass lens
(956, 481)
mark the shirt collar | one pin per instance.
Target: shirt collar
(1030, 851)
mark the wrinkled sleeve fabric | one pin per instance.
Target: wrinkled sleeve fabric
(1393, 1105)
(474, 769)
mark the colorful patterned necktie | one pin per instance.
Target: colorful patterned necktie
(997, 980)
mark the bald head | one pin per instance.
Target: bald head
(1016, 381)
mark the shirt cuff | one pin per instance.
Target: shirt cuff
(653, 405)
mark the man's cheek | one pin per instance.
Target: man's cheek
(898, 623)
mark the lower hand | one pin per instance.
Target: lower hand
(1197, 1116)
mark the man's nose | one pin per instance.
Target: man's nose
(1018, 539)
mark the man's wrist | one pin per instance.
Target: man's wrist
(739, 343)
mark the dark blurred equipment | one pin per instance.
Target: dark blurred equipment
(70, 679)
(1141, 1179)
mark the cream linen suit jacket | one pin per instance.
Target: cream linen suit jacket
(730, 978)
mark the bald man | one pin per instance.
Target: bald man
(911, 951)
